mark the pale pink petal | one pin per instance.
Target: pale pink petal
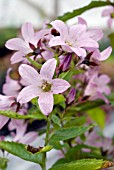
(29, 137)
(105, 54)
(40, 34)
(110, 22)
(29, 74)
(3, 120)
(28, 32)
(104, 79)
(46, 102)
(79, 51)
(82, 21)
(106, 90)
(47, 54)
(17, 57)
(56, 41)
(61, 28)
(89, 42)
(17, 44)
(28, 93)
(95, 34)
(108, 11)
(48, 68)
(76, 31)
(59, 85)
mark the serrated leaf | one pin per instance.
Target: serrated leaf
(98, 115)
(83, 164)
(79, 11)
(15, 115)
(68, 133)
(58, 98)
(20, 150)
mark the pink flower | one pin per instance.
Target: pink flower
(27, 45)
(5, 104)
(109, 12)
(76, 38)
(21, 136)
(97, 87)
(41, 85)
(11, 87)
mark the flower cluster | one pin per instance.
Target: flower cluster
(57, 61)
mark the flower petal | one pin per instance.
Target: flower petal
(28, 32)
(110, 22)
(107, 11)
(89, 42)
(76, 31)
(3, 120)
(61, 28)
(59, 85)
(105, 54)
(56, 41)
(28, 93)
(48, 68)
(82, 21)
(18, 44)
(95, 34)
(17, 57)
(46, 102)
(29, 74)
(28, 137)
(79, 51)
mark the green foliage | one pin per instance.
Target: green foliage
(98, 115)
(79, 11)
(20, 150)
(15, 115)
(75, 121)
(3, 163)
(7, 33)
(56, 120)
(111, 36)
(78, 152)
(68, 133)
(84, 164)
(58, 98)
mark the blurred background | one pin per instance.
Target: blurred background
(13, 13)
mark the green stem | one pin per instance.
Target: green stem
(47, 139)
(34, 63)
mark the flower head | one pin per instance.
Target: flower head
(76, 38)
(27, 45)
(109, 12)
(41, 85)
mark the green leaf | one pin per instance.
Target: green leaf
(77, 152)
(20, 150)
(66, 75)
(98, 115)
(83, 164)
(3, 163)
(111, 36)
(68, 133)
(58, 98)
(76, 121)
(56, 120)
(90, 104)
(79, 11)
(15, 115)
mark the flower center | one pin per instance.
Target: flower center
(46, 86)
(68, 43)
(112, 15)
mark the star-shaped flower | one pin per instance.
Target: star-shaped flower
(41, 85)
